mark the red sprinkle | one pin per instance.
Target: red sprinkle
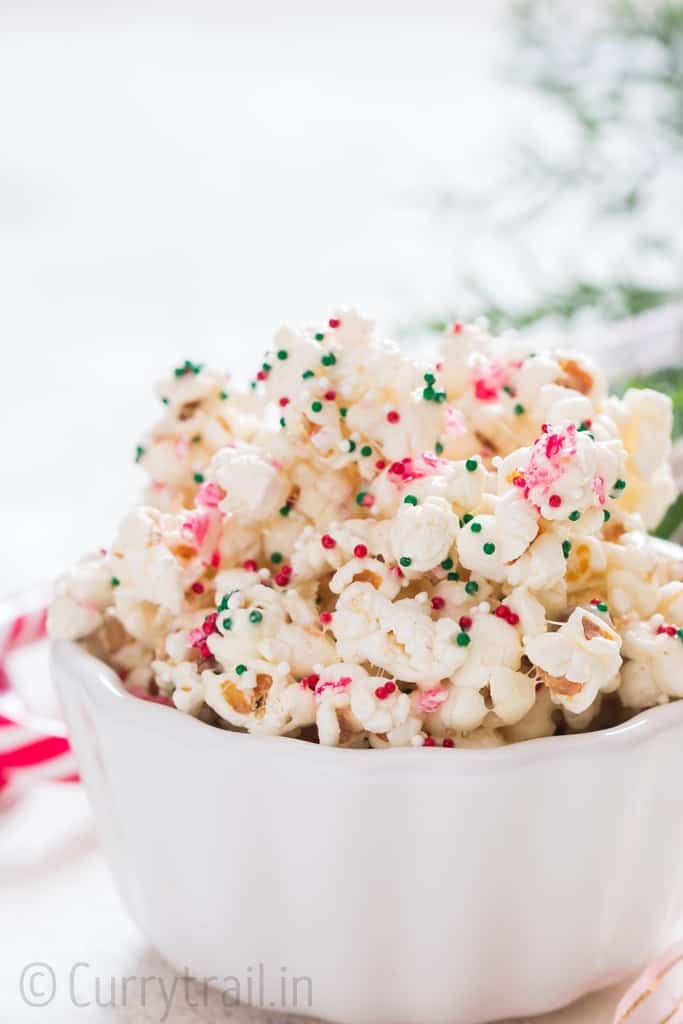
(284, 401)
(397, 468)
(519, 481)
(669, 630)
(393, 416)
(390, 687)
(261, 375)
(334, 322)
(380, 464)
(360, 551)
(209, 624)
(448, 742)
(330, 396)
(502, 611)
(438, 603)
(513, 618)
(545, 427)
(554, 501)
(327, 541)
(282, 579)
(429, 742)
(250, 565)
(326, 618)
(457, 327)
(310, 682)
(465, 622)
(381, 693)
(368, 501)
(197, 588)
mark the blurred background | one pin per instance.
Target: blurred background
(177, 181)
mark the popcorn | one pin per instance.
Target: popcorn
(368, 551)
(422, 533)
(578, 660)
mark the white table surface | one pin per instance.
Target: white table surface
(177, 182)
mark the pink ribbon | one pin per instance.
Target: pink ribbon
(29, 751)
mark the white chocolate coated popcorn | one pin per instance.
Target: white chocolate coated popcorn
(367, 550)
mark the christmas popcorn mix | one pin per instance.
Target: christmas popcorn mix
(368, 550)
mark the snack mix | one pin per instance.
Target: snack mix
(369, 550)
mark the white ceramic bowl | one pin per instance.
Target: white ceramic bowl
(411, 886)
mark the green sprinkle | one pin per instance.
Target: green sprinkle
(253, 384)
(240, 669)
(410, 499)
(283, 421)
(566, 548)
(508, 390)
(438, 448)
(329, 360)
(405, 561)
(285, 510)
(519, 409)
(440, 396)
(360, 497)
(471, 465)
(276, 557)
(198, 478)
(429, 378)
(453, 577)
(366, 450)
(428, 393)
(574, 516)
(227, 625)
(283, 354)
(343, 412)
(471, 587)
(475, 527)
(266, 367)
(602, 607)
(606, 515)
(225, 600)
(462, 639)
(467, 518)
(139, 452)
(319, 336)
(350, 446)
(307, 374)
(316, 406)
(447, 564)
(489, 548)
(187, 367)
(619, 485)
(256, 616)
(679, 634)
(115, 581)
(166, 400)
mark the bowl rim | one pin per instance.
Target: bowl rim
(105, 688)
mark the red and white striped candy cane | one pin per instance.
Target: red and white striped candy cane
(31, 750)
